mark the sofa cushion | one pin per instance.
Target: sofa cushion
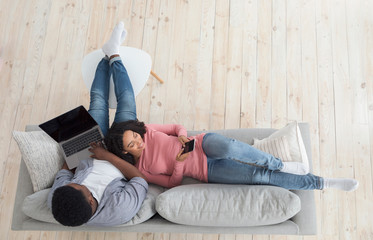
(42, 156)
(291, 135)
(35, 206)
(224, 205)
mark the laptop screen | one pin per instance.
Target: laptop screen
(69, 124)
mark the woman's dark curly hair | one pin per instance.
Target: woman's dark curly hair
(114, 138)
(70, 207)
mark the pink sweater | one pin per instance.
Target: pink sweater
(158, 160)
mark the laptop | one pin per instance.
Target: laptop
(74, 131)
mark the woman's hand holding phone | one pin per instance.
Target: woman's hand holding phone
(181, 156)
(188, 146)
(183, 139)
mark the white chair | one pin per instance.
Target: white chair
(137, 62)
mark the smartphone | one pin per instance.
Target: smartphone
(189, 146)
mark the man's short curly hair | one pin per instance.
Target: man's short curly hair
(70, 207)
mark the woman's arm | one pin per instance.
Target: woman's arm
(173, 130)
(169, 129)
(127, 169)
(172, 180)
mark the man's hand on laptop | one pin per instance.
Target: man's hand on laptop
(99, 152)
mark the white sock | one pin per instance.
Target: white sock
(118, 35)
(295, 168)
(344, 184)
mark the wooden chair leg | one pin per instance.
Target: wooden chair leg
(156, 76)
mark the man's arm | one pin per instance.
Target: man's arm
(127, 169)
(64, 166)
(123, 203)
(62, 178)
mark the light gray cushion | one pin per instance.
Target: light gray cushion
(35, 206)
(227, 205)
(42, 156)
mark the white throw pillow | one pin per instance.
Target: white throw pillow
(42, 156)
(222, 205)
(278, 147)
(293, 136)
(35, 206)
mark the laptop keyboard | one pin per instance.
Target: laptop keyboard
(82, 142)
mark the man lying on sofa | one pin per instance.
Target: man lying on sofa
(97, 192)
(101, 193)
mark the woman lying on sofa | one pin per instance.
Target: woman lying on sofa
(157, 151)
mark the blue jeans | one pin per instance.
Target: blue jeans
(233, 162)
(99, 104)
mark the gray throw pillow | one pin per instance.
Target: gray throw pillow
(222, 205)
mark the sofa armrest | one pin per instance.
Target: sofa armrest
(306, 218)
(24, 188)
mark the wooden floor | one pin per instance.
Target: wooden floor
(226, 64)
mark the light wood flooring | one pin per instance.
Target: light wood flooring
(226, 64)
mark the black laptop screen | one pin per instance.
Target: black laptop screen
(69, 124)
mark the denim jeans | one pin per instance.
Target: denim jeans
(99, 104)
(233, 162)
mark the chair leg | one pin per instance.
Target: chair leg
(156, 76)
